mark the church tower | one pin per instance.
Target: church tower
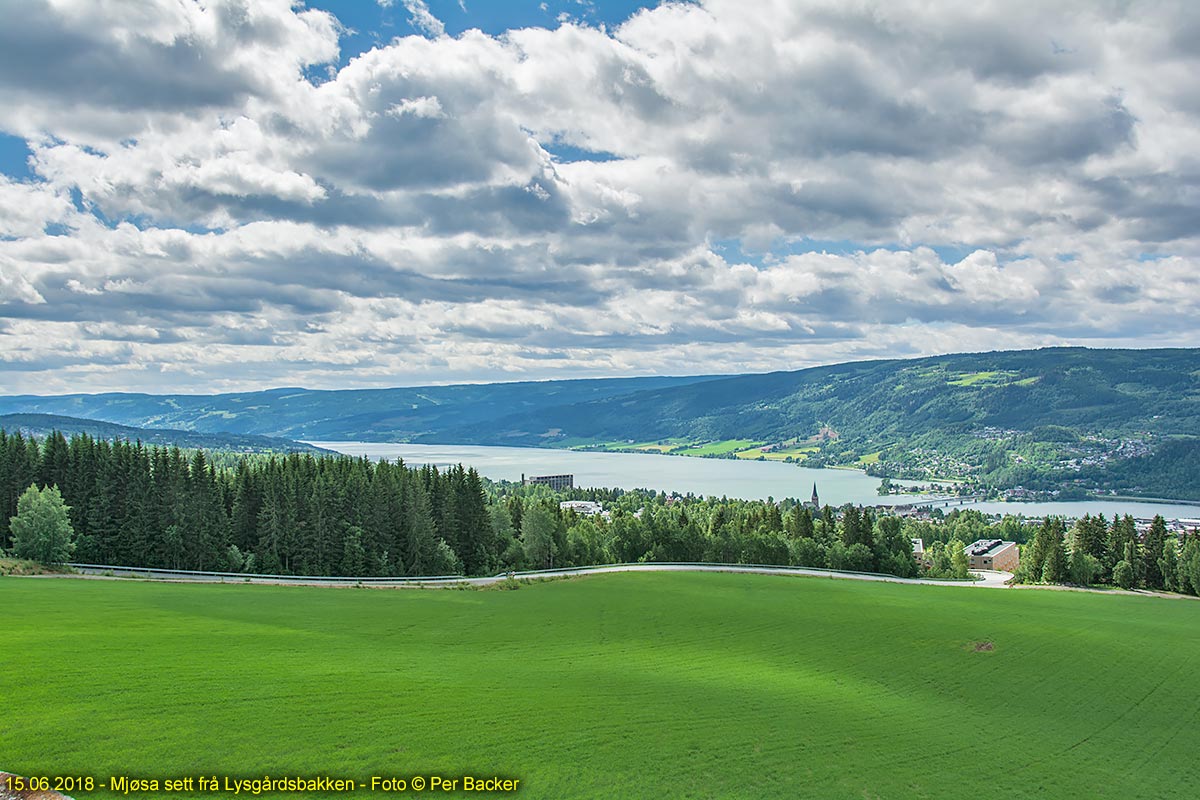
(816, 501)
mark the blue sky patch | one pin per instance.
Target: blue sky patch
(14, 157)
(373, 25)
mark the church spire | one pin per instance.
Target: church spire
(816, 501)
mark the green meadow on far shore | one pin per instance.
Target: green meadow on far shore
(668, 685)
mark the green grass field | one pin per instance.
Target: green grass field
(721, 448)
(658, 446)
(619, 686)
(796, 452)
(1001, 378)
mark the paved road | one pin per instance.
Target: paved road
(986, 578)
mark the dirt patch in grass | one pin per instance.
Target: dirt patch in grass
(982, 647)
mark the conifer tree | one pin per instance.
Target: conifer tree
(850, 526)
(55, 465)
(1054, 570)
(354, 557)
(136, 534)
(247, 502)
(1152, 554)
(98, 543)
(422, 540)
(274, 520)
(1121, 533)
(476, 539)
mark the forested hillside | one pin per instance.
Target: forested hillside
(879, 401)
(358, 414)
(42, 425)
(1064, 420)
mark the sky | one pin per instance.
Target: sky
(231, 195)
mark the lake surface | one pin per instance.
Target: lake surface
(749, 480)
(1077, 508)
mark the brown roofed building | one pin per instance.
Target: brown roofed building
(993, 554)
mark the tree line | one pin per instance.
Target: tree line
(1095, 551)
(302, 514)
(305, 514)
(295, 514)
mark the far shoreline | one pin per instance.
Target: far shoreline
(1011, 507)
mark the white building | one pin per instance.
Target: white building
(584, 508)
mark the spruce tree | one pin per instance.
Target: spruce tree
(354, 557)
(477, 547)
(98, 544)
(421, 546)
(850, 526)
(55, 465)
(1054, 570)
(1152, 554)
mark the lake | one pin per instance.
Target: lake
(749, 480)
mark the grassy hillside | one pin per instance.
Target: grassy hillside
(630, 686)
(42, 424)
(366, 414)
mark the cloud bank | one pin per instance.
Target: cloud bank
(708, 187)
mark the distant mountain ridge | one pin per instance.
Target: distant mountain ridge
(40, 425)
(1072, 419)
(397, 414)
(1081, 388)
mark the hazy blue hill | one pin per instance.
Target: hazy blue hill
(366, 414)
(42, 424)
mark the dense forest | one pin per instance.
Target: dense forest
(295, 514)
(306, 514)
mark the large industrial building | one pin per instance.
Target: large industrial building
(555, 482)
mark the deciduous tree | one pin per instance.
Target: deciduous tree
(41, 529)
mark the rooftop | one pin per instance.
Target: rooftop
(987, 547)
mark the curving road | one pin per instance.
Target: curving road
(985, 578)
